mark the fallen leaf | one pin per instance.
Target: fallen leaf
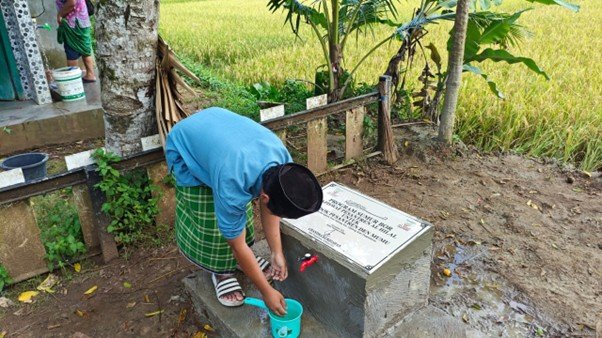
(447, 272)
(540, 332)
(3, 334)
(146, 299)
(208, 327)
(48, 283)
(406, 144)
(152, 314)
(532, 205)
(26, 297)
(554, 246)
(77, 267)
(182, 316)
(200, 334)
(5, 302)
(586, 174)
(476, 306)
(465, 318)
(50, 327)
(91, 290)
(130, 305)
(80, 313)
(127, 285)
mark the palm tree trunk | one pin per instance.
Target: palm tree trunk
(336, 56)
(126, 35)
(454, 73)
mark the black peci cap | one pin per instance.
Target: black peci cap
(293, 189)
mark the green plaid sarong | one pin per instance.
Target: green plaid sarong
(197, 234)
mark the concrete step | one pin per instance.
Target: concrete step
(243, 321)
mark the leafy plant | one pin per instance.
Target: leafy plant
(130, 203)
(332, 23)
(488, 36)
(292, 94)
(60, 229)
(4, 277)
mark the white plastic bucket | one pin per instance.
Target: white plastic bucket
(69, 83)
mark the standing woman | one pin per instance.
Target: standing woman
(74, 32)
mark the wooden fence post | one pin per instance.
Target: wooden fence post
(101, 220)
(354, 132)
(317, 146)
(386, 139)
(317, 137)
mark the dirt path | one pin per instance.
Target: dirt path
(524, 247)
(128, 291)
(527, 224)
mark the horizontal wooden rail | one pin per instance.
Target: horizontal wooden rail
(23, 191)
(318, 112)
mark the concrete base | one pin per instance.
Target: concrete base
(26, 125)
(244, 321)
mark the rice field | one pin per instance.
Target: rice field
(243, 43)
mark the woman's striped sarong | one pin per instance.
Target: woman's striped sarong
(197, 234)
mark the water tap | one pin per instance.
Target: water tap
(45, 26)
(307, 261)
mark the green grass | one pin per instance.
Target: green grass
(241, 43)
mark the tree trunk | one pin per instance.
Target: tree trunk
(336, 60)
(126, 35)
(334, 50)
(454, 73)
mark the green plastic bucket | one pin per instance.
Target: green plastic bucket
(69, 83)
(289, 325)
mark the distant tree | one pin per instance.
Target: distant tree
(126, 36)
(488, 35)
(333, 22)
(454, 72)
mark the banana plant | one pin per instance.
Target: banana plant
(334, 22)
(489, 34)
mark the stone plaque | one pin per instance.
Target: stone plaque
(316, 101)
(151, 142)
(271, 113)
(361, 228)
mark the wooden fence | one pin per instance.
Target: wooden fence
(22, 252)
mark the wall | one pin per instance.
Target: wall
(22, 36)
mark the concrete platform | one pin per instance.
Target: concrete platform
(244, 321)
(248, 321)
(29, 125)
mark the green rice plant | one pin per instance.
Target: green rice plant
(242, 43)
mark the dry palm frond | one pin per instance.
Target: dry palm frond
(168, 100)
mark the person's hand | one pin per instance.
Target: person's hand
(275, 302)
(59, 18)
(279, 269)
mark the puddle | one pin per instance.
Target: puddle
(480, 297)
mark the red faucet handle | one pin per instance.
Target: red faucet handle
(308, 262)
